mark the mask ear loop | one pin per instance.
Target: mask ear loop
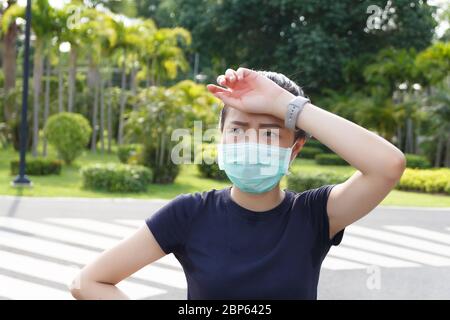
(290, 161)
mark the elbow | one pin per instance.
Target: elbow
(396, 165)
(75, 287)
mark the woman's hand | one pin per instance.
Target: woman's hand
(249, 91)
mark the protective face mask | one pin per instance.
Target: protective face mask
(254, 167)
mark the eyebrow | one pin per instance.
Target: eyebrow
(269, 125)
(240, 123)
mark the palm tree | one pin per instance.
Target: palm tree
(393, 68)
(44, 24)
(127, 42)
(48, 69)
(71, 31)
(9, 29)
(100, 34)
(166, 53)
(439, 111)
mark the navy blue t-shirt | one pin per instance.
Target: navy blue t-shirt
(229, 252)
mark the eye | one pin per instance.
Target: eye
(236, 131)
(270, 133)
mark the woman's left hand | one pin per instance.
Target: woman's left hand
(249, 91)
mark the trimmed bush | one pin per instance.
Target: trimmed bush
(304, 181)
(309, 152)
(127, 151)
(68, 133)
(330, 159)
(314, 143)
(430, 181)
(416, 161)
(114, 177)
(209, 167)
(38, 166)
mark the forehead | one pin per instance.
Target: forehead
(253, 119)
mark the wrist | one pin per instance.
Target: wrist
(281, 103)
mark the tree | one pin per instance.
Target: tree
(310, 41)
(434, 62)
(10, 29)
(44, 25)
(159, 50)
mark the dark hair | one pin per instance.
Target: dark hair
(284, 82)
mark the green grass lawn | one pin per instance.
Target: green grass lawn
(68, 184)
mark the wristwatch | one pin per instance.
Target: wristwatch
(295, 107)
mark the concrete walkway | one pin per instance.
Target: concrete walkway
(393, 253)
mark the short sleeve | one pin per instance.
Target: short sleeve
(170, 224)
(317, 200)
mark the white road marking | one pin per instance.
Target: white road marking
(69, 253)
(401, 240)
(64, 274)
(422, 233)
(106, 228)
(17, 289)
(369, 258)
(395, 251)
(131, 222)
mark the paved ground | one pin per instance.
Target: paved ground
(393, 253)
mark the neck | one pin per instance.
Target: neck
(258, 202)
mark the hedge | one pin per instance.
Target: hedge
(114, 177)
(304, 181)
(417, 161)
(38, 166)
(209, 167)
(309, 152)
(330, 159)
(430, 181)
(313, 143)
(421, 180)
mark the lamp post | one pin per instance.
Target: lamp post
(21, 179)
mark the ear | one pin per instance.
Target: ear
(298, 145)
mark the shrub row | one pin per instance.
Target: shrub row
(38, 166)
(309, 152)
(314, 143)
(330, 159)
(113, 177)
(304, 181)
(431, 180)
(417, 161)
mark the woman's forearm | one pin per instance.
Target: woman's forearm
(361, 148)
(91, 290)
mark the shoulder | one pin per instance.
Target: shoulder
(189, 204)
(198, 199)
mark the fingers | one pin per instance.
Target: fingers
(231, 76)
(229, 79)
(243, 73)
(224, 94)
(216, 89)
(221, 80)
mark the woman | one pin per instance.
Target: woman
(254, 240)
